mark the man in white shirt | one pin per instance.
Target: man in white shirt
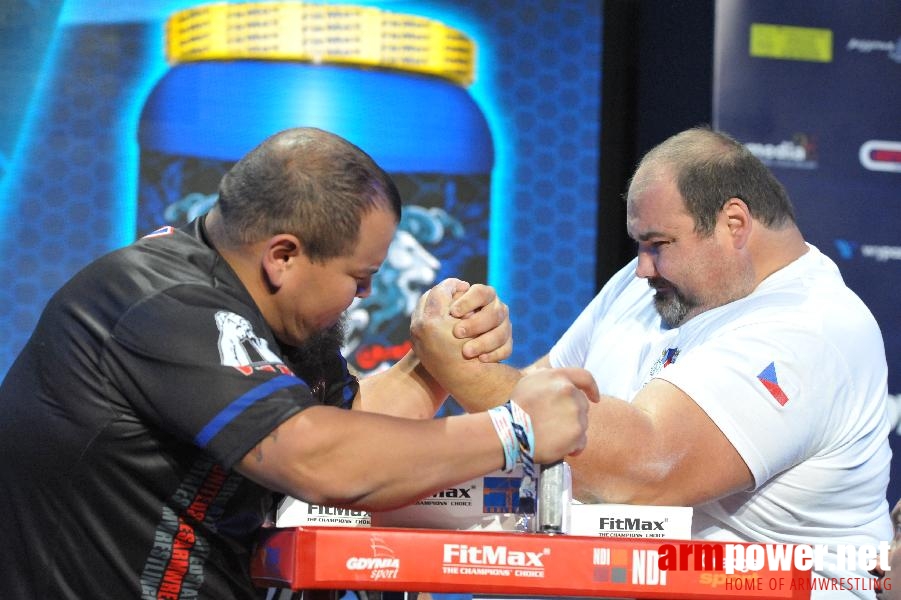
(742, 376)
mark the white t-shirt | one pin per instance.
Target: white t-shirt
(794, 375)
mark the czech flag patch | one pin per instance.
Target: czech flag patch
(769, 380)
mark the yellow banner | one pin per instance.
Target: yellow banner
(791, 43)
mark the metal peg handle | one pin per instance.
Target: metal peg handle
(554, 489)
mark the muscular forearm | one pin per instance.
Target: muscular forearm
(365, 460)
(488, 384)
(405, 390)
(375, 462)
(480, 386)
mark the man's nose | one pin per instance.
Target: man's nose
(645, 269)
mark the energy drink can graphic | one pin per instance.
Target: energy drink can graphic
(393, 84)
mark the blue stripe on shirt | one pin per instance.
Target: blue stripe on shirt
(348, 393)
(230, 412)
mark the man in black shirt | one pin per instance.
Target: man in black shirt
(174, 387)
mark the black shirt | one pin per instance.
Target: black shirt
(148, 377)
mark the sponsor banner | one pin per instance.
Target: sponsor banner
(488, 503)
(631, 521)
(295, 513)
(521, 564)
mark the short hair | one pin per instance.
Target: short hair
(309, 183)
(709, 167)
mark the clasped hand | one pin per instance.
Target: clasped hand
(456, 321)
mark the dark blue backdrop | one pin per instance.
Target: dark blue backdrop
(813, 87)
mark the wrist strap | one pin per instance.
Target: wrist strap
(502, 420)
(514, 429)
(525, 436)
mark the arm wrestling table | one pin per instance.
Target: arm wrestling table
(509, 564)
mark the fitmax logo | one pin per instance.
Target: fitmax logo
(454, 493)
(630, 524)
(318, 509)
(501, 556)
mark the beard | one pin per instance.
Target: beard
(671, 304)
(309, 359)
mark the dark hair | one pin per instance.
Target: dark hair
(710, 167)
(309, 183)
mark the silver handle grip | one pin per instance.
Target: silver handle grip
(554, 496)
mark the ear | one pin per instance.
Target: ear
(280, 254)
(738, 221)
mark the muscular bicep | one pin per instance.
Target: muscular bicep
(704, 464)
(368, 461)
(661, 448)
(282, 460)
(323, 455)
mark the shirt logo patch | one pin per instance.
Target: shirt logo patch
(769, 380)
(167, 230)
(666, 358)
(241, 348)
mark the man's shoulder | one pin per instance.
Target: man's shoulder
(169, 268)
(161, 260)
(810, 292)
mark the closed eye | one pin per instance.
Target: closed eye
(363, 284)
(653, 246)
